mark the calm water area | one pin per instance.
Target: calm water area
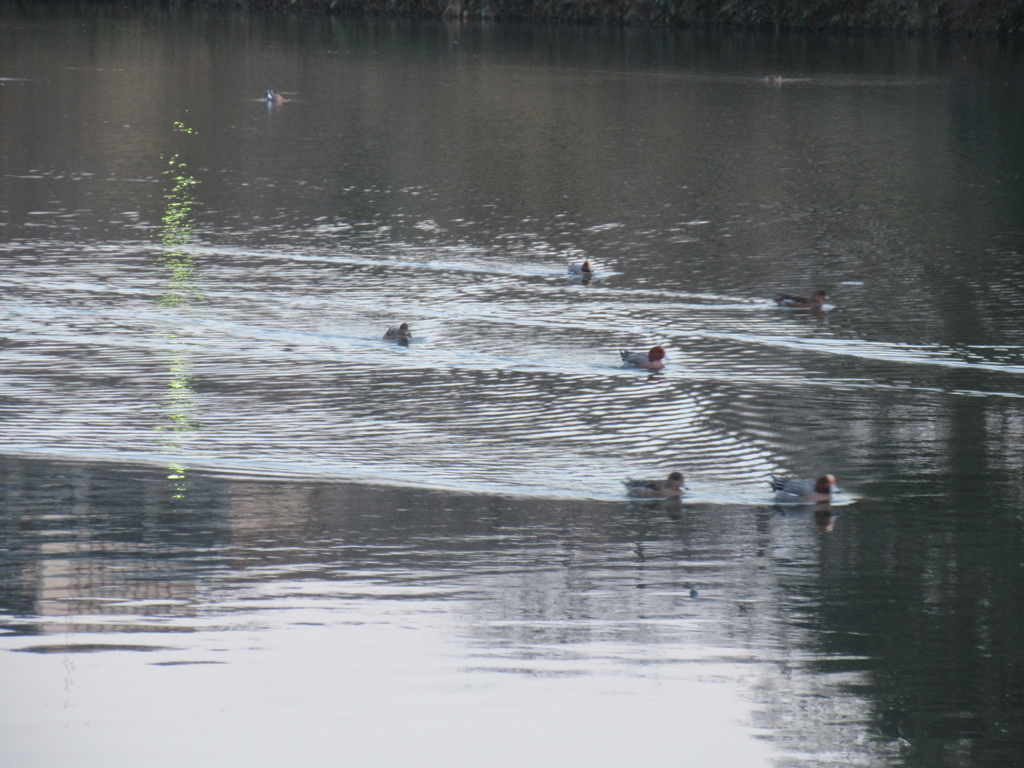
(238, 528)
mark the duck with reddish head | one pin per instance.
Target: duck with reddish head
(790, 491)
(815, 301)
(652, 359)
(274, 97)
(656, 489)
(581, 270)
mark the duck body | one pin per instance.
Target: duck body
(652, 359)
(401, 333)
(792, 491)
(273, 97)
(815, 301)
(581, 270)
(656, 489)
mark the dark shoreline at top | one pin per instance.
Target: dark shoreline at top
(962, 17)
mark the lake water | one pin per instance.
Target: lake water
(239, 528)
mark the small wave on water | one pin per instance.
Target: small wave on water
(271, 363)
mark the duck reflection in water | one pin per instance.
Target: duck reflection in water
(824, 517)
(672, 507)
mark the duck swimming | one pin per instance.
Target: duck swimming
(651, 359)
(790, 491)
(802, 302)
(401, 333)
(656, 489)
(583, 270)
(273, 97)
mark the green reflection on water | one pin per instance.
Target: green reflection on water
(178, 404)
(177, 228)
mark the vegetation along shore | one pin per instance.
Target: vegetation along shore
(1000, 17)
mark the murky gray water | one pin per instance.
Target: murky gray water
(233, 513)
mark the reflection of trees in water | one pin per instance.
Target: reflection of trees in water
(891, 639)
(859, 644)
(911, 613)
(94, 540)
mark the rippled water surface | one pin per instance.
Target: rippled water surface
(230, 508)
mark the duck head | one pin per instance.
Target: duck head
(825, 484)
(656, 354)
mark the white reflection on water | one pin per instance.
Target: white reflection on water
(385, 690)
(296, 670)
